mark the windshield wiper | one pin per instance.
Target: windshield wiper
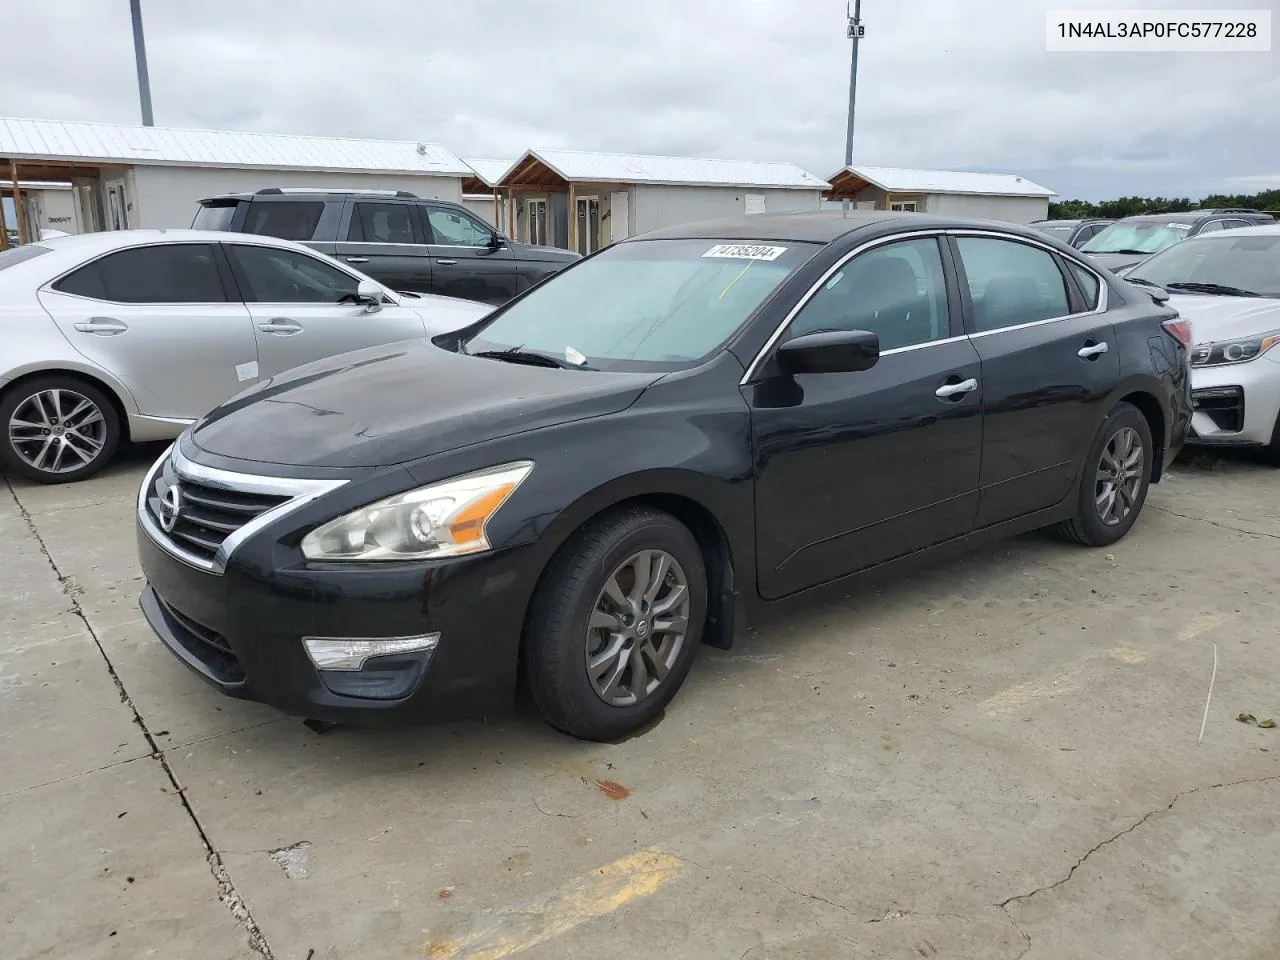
(1213, 288)
(518, 354)
(1139, 280)
(1127, 250)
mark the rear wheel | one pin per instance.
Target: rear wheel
(57, 430)
(614, 626)
(1117, 474)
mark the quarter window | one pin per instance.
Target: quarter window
(269, 275)
(286, 219)
(1088, 283)
(1011, 283)
(381, 223)
(456, 228)
(174, 273)
(897, 291)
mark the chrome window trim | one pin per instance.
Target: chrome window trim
(300, 492)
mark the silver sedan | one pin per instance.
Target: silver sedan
(132, 335)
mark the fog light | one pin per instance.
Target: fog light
(346, 653)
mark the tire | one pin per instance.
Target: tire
(1270, 454)
(35, 441)
(576, 617)
(1099, 522)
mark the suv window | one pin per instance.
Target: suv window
(897, 291)
(172, 273)
(215, 215)
(288, 220)
(269, 275)
(1011, 283)
(381, 223)
(457, 228)
(1213, 226)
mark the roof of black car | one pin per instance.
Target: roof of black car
(813, 227)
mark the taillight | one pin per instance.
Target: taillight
(1180, 330)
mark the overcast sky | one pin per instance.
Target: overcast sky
(953, 84)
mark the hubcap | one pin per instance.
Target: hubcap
(1121, 469)
(637, 628)
(57, 431)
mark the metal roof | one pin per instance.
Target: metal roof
(580, 166)
(904, 180)
(118, 143)
(822, 226)
(489, 171)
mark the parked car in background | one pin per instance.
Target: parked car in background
(407, 243)
(1074, 233)
(587, 484)
(1228, 286)
(131, 335)
(1133, 239)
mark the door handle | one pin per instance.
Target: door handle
(102, 326)
(1091, 351)
(446, 263)
(357, 259)
(281, 327)
(949, 390)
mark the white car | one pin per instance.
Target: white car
(132, 335)
(1228, 286)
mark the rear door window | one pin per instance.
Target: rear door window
(287, 220)
(381, 223)
(172, 273)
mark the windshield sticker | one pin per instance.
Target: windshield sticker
(574, 357)
(745, 251)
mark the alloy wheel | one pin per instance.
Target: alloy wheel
(57, 430)
(637, 627)
(1121, 469)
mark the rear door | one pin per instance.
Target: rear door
(1049, 361)
(465, 259)
(385, 239)
(303, 308)
(165, 320)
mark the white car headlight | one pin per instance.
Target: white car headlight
(1233, 351)
(445, 519)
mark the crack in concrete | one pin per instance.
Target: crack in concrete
(1127, 830)
(75, 776)
(1224, 526)
(1026, 938)
(227, 893)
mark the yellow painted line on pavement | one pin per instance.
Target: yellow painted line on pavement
(600, 892)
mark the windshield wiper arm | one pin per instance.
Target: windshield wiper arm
(1214, 288)
(1128, 250)
(1139, 280)
(518, 354)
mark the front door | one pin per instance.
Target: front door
(387, 241)
(117, 206)
(853, 469)
(466, 259)
(1048, 364)
(588, 214)
(165, 320)
(303, 309)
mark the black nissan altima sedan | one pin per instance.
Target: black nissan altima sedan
(572, 494)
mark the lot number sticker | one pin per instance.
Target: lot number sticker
(745, 251)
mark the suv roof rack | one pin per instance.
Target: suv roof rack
(1227, 210)
(276, 191)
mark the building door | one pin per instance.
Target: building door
(535, 218)
(619, 217)
(588, 225)
(117, 207)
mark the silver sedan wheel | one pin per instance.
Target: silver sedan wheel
(57, 431)
(1121, 470)
(637, 628)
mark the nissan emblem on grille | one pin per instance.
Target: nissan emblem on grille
(170, 506)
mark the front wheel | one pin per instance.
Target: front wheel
(614, 626)
(57, 430)
(1117, 475)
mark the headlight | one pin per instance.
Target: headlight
(1233, 351)
(445, 519)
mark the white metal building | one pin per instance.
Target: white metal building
(613, 196)
(127, 176)
(992, 196)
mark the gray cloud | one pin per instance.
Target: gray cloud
(942, 83)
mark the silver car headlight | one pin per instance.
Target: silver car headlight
(445, 519)
(1233, 351)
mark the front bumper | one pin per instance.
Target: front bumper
(242, 630)
(1236, 404)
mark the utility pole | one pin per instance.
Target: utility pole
(140, 54)
(855, 33)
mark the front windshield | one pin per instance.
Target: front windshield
(1248, 263)
(1137, 236)
(645, 305)
(1059, 231)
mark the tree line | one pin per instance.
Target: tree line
(1130, 206)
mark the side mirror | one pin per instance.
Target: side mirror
(370, 294)
(498, 241)
(836, 351)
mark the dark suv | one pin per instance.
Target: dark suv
(1074, 233)
(1130, 241)
(402, 240)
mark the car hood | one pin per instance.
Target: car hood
(1117, 261)
(402, 402)
(527, 251)
(1216, 318)
(444, 314)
